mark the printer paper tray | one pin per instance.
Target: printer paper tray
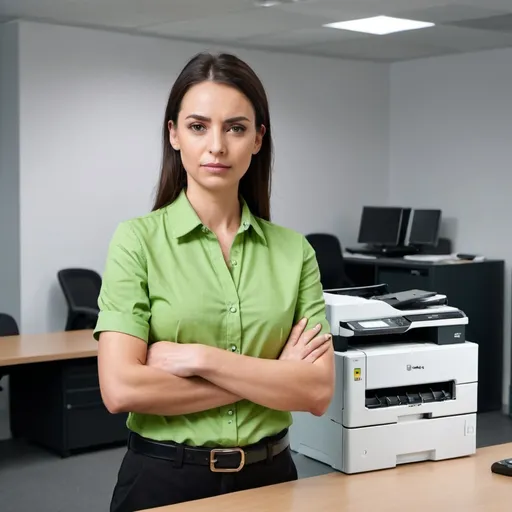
(385, 446)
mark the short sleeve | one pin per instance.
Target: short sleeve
(310, 301)
(123, 300)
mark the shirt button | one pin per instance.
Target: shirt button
(246, 224)
(234, 263)
(205, 229)
(233, 348)
(230, 412)
(232, 309)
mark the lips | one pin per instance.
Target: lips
(216, 166)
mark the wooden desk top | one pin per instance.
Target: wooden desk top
(37, 348)
(452, 485)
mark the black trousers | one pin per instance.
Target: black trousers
(145, 482)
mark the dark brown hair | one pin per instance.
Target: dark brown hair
(226, 69)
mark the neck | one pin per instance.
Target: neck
(218, 211)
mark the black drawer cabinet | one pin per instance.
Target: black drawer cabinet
(475, 288)
(399, 279)
(58, 405)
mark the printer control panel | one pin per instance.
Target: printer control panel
(399, 323)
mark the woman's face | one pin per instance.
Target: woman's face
(216, 135)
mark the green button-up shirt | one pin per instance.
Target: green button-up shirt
(166, 279)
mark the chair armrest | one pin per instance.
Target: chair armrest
(86, 311)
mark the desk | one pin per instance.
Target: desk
(55, 399)
(452, 485)
(475, 288)
(37, 348)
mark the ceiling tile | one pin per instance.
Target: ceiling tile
(159, 11)
(332, 10)
(461, 39)
(395, 5)
(302, 37)
(260, 21)
(121, 13)
(377, 49)
(489, 4)
(449, 13)
(500, 23)
(340, 10)
(30, 8)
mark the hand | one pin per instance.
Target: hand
(305, 346)
(175, 358)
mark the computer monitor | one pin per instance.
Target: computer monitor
(424, 227)
(382, 225)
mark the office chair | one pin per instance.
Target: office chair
(8, 327)
(81, 288)
(329, 255)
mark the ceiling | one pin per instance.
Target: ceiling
(294, 26)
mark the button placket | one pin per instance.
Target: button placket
(231, 416)
(233, 340)
(232, 335)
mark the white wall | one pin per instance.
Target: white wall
(450, 147)
(91, 108)
(9, 192)
(9, 176)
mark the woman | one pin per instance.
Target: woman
(212, 322)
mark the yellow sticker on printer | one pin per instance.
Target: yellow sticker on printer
(357, 373)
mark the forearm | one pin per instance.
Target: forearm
(147, 390)
(280, 385)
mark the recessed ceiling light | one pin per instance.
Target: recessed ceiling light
(379, 25)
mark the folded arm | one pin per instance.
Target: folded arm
(281, 385)
(128, 385)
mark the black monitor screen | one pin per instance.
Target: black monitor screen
(380, 225)
(425, 226)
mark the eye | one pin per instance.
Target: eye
(196, 127)
(238, 128)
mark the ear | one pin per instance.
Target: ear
(173, 136)
(259, 139)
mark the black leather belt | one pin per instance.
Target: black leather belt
(219, 460)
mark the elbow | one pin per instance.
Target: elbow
(321, 399)
(115, 406)
(116, 401)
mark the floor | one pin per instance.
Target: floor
(32, 479)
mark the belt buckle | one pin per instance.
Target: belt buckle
(213, 460)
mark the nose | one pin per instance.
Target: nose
(217, 142)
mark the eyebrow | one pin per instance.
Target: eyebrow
(207, 119)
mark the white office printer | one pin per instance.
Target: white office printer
(406, 384)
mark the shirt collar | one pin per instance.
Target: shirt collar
(184, 219)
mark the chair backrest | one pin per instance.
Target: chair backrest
(81, 287)
(8, 326)
(329, 255)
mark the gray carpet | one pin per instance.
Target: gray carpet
(32, 479)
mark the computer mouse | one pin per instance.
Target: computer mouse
(502, 467)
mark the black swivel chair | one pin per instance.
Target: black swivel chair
(8, 327)
(81, 288)
(329, 255)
